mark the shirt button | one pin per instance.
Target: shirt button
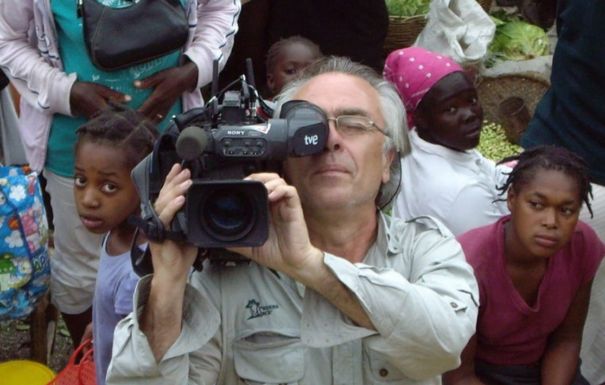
(383, 372)
(453, 304)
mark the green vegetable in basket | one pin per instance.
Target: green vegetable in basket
(517, 40)
(493, 144)
(407, 8)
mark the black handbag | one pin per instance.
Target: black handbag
(122, 37)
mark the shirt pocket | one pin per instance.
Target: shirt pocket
(269, 358)
(381, 371)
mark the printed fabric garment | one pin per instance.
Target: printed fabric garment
(414, 71)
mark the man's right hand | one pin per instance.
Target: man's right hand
(172, 260)
(163, 313)
(86, 99)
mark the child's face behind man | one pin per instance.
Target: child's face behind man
(450, 114)
(292, 59)
(104, 193)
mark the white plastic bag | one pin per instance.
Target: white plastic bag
(457, 28)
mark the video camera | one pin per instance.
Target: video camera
(221, 143)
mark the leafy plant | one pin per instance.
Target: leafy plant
(516, 40)
(408, 8)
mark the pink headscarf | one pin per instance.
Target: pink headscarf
(414, 71)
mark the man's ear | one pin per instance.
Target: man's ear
(389, 158)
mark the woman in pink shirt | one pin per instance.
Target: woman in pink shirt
(535, 269)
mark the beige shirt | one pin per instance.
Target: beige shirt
(247, 324)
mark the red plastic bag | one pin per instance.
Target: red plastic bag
(78, 372)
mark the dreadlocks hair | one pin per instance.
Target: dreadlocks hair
(549, 158)
(122, 127)
(276, 49)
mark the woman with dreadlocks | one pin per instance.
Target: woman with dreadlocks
(535, 269)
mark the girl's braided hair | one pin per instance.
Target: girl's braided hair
(122, 127)
(549, 158)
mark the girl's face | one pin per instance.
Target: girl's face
(450, 114)
(544, 213)
(105, 195)
(292, 59)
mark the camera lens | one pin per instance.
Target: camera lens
(227, 215)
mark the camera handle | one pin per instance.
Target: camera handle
(155, 231)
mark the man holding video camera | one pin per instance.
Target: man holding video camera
(339, 294)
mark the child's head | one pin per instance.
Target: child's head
(440, 100)
(286, 58)
(108, 147)
(546, 190)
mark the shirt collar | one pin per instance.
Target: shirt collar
(436, 149)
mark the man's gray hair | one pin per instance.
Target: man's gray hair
(391, 107)
(393, 111)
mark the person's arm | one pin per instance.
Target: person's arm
(473, 207)
(425, 317)
(561, 358)
(172, 335)
(465, 373)
(213, 37)
(214, 25)
(163, 314)
(424, 307)
(194, 358)
(42, 85)
(290, 251)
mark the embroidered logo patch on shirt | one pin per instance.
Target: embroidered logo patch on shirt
(258, 310)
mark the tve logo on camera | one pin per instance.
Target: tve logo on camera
(311, 140)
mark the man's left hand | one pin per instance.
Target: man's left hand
(288, 248)
(168, 85)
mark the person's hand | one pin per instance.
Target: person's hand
(288, 248)
(87, 335)
(168, 86)
(172, 260)
(86, 99)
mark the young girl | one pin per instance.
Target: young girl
(286, 58)
(443, 176)
(107, 149)
(534, 268)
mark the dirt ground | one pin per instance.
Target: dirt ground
(15, 343)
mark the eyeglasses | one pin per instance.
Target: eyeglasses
(355, 125)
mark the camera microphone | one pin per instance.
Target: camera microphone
(192, 142)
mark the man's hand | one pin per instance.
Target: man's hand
(86, 99)
(163, 314)
(288, 248)
(168, 86)
(171, 260)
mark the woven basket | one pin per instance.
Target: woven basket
(403, 32)
(493, 90)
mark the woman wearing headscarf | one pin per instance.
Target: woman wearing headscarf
(444, 176)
